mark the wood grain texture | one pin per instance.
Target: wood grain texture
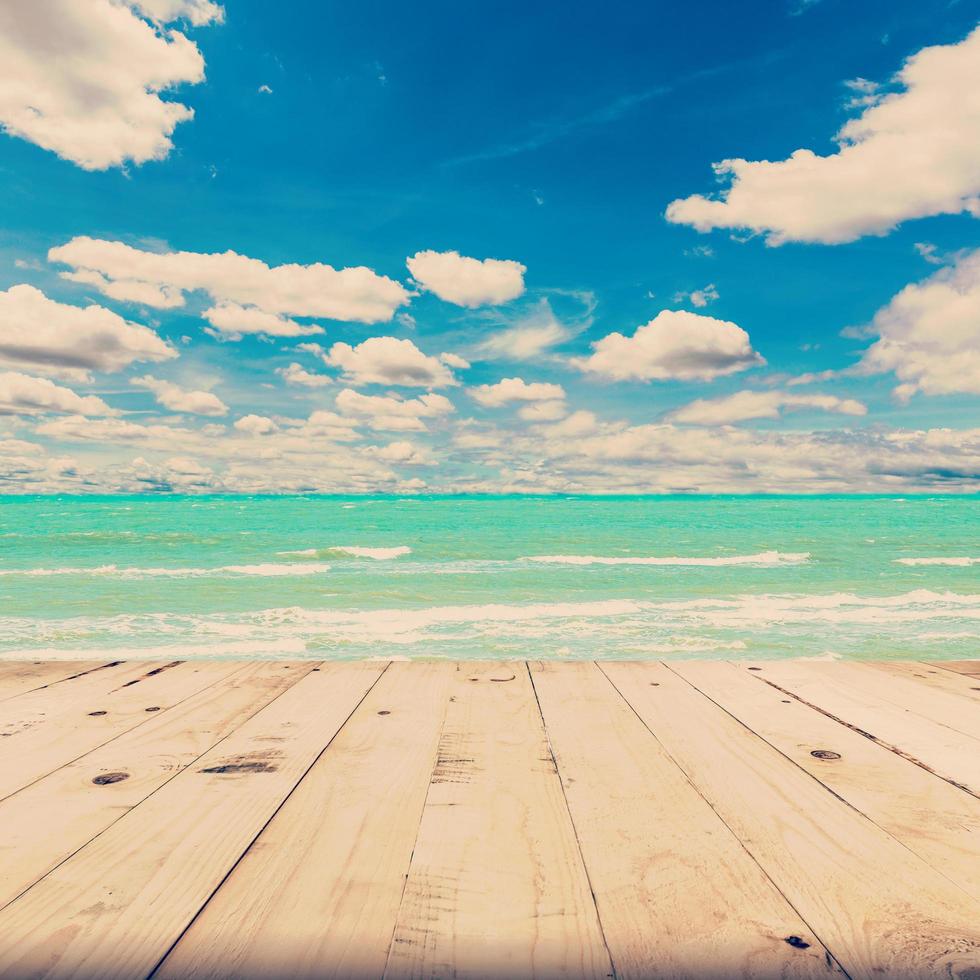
(116, 907)
(81, 800)
(52, 727)
(971, 667)
(21, 676)
(497, 887)
(850, 880)
(953, 710)
(317, 894)
(941, 749)
(937, 821)
(933, 675)
(678, 895)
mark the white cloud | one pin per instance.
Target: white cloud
(198, 12)
(21, 394)
(256, 425)
(391, 413)
(296, 374)
(179, 399)
(930, 333)
(760, 405)
(70, 341)
(240, 286)
(83, 77)
(675, 344)
(529, 337)
(454, 361)
(516, 390)
(231, 321)
(468, 282)
(910, 154)
(402, 452)
(592, 456)
(389, 361)
(543, 411)
(698, 297)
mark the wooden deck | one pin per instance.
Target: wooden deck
(438, 819)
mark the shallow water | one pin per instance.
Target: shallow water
(611, 577)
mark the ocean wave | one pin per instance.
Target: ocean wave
(959, 562)
(763, 558)
(265, 570)
(793, 625)
(378, 554)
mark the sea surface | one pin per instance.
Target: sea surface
(531, 577)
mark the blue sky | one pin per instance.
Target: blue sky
(658, 346)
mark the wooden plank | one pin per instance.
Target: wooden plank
(678, 895)
(948, 753)
(969, 667)
(318, 892)
(49, 739)
(81, 800)
(950, 710)
(46, 703)
(114, 909)
(937, 821)
(933, 676)
(497, 887)
(879, 908)
(20, 676)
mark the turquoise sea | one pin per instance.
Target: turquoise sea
(596, 577)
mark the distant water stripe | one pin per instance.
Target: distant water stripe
(763, 558)
(957, 562)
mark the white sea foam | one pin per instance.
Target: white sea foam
(378, 554)
(841, 622)
(761, 559)
(959, 562)
(265, 570)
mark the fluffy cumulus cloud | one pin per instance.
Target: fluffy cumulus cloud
(70, 341)
(256, 425)
(540, 402)
(245, 290)
(84, 78)
(296, 374)
(584, 454)
(929, 334)
(911, 153)
(468, 282)
(197, 12)
(402, 452)
(515, 390)
(674, 345)
(21, 394)
(178, 399)
(230, 321)
(389, 361)
(389, 413)
(746, 405)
